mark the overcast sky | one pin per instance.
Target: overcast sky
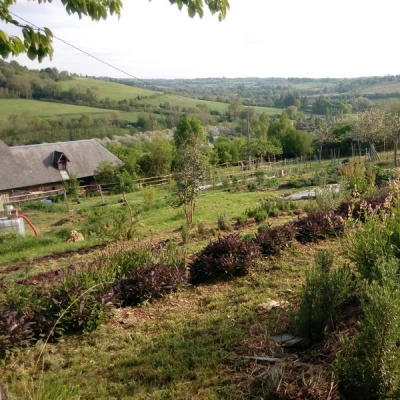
(258, 38)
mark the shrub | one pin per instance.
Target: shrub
(274, 212)
(249, 236)
(78, 308)
(322, 295)
(273, 240)
(223, 259)
(148, 281)
(225, 183)
(241, 219)
(378, 238)
(251, 186)
(149, 197)
(271, 208)
(272, 183)
(14, 333)
(224, 223)
(328, 198)
(260, 177)
(201, 228)
(260, 216)
(359, 176)
(117, 223)
(369, 364)
(359, 210)
(185, 233)
(319, 225)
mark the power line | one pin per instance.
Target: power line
(88, 54)
(189, 99)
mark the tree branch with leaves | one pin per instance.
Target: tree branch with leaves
(36, 41)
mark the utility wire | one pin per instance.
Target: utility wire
(96, 58)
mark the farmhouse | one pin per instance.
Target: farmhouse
(43, 167)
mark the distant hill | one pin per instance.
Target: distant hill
(47, 104)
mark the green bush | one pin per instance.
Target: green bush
(185, 232)
(252, 187)
(201, 228)
(241, 219)
(369, 364)
(260, 177)
(260, 216)
(224, 223)
(378, 238)
(272, 182)
(117, 223)
(322, 295)
(149, 197)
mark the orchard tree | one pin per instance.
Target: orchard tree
(37, 42)
(370, 127)
(393, 124)
(322, 135)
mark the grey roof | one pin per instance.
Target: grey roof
(23, 166)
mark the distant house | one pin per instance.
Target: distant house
(43, 167)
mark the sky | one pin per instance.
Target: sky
(258, 38)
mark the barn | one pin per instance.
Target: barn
(43, 167)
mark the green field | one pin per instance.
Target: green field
(113, 90)
(42, 109)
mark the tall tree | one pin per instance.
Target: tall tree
(260, 144)
(158, 156)
(37, 42)
(188, 129)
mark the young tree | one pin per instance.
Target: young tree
(190, 165)
(37, 42)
